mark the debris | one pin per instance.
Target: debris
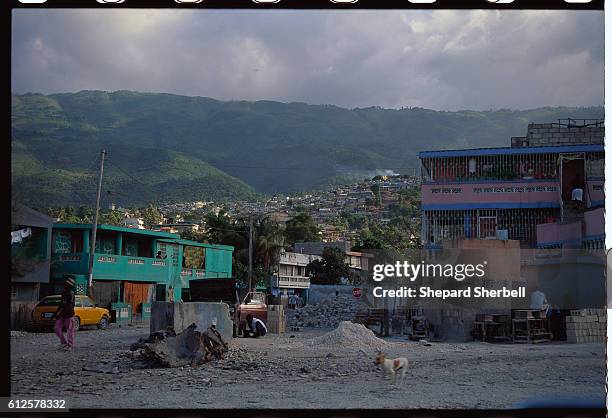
(425, 343)
(327, 314)
(190, 347)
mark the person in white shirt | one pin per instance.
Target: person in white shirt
(538, 300)
(256, 327)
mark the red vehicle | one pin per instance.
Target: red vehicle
(254, 303)
(215, 290)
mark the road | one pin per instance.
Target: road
(282, 371)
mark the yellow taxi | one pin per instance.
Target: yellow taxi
(85, 312)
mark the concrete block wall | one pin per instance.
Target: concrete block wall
(180, 315)
(544, 134)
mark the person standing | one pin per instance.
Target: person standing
(539, 301)
(64, 316)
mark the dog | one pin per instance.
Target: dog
(392, 367)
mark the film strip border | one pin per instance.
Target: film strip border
(318, 4)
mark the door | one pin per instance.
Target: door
(136, 294)
(160, 292)
(487, 224)
(170, 252)
(572, 174)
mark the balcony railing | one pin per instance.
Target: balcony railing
(113, 267)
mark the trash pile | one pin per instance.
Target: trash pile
(190, 347)
(327, 314)
(352, 336)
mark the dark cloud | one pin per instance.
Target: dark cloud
(441, 59)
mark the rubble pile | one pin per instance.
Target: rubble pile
(190, 347)
(351, 335)
(327, 314)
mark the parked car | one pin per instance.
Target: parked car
(85, 312)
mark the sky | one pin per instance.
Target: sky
(443, 60)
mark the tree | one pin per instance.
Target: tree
(330, 268)
(377, 198)
(268, 241)
(192, 235)
(301, 228)
(111, 217)
(151, 216)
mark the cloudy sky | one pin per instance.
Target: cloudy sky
(444, 60)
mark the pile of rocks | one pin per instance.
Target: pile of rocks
(352, 336)
(327, 314)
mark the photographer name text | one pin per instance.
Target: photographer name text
(468, 292)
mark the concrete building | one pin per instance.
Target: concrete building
(178, 227)
(316, 248)
(543, 196)
(357, 261)
(30, 253)
(291, 277)
(511, 192)
(137, 223)
(126, 266)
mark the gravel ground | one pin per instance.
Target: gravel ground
(281, 371)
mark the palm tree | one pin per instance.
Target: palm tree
(268, 241)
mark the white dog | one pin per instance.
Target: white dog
(392, 367)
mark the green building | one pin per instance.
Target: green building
(131, 265)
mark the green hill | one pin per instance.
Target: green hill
(174, 140)
(46, 173)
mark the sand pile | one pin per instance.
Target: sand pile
(352, 336)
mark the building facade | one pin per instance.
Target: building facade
(544, 193)
(133, 265)
(291, 277)
(30, 253)
(522, 192)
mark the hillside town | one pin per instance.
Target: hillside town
(301, 264)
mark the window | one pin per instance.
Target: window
(86, 302)
(50, 302)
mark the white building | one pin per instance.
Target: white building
(291, 276)
(137, 223)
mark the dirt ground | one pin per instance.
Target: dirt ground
(286, 372)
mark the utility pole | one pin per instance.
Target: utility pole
(95, 226)
(250, 252)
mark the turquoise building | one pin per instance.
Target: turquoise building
(131, 265)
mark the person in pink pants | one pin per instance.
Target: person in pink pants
(65, 316)
(68, 325)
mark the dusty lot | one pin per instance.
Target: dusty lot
(285, 371)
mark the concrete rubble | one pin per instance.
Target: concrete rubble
(190, 347)
(327, 314)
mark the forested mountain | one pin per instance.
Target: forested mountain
(164, 147)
